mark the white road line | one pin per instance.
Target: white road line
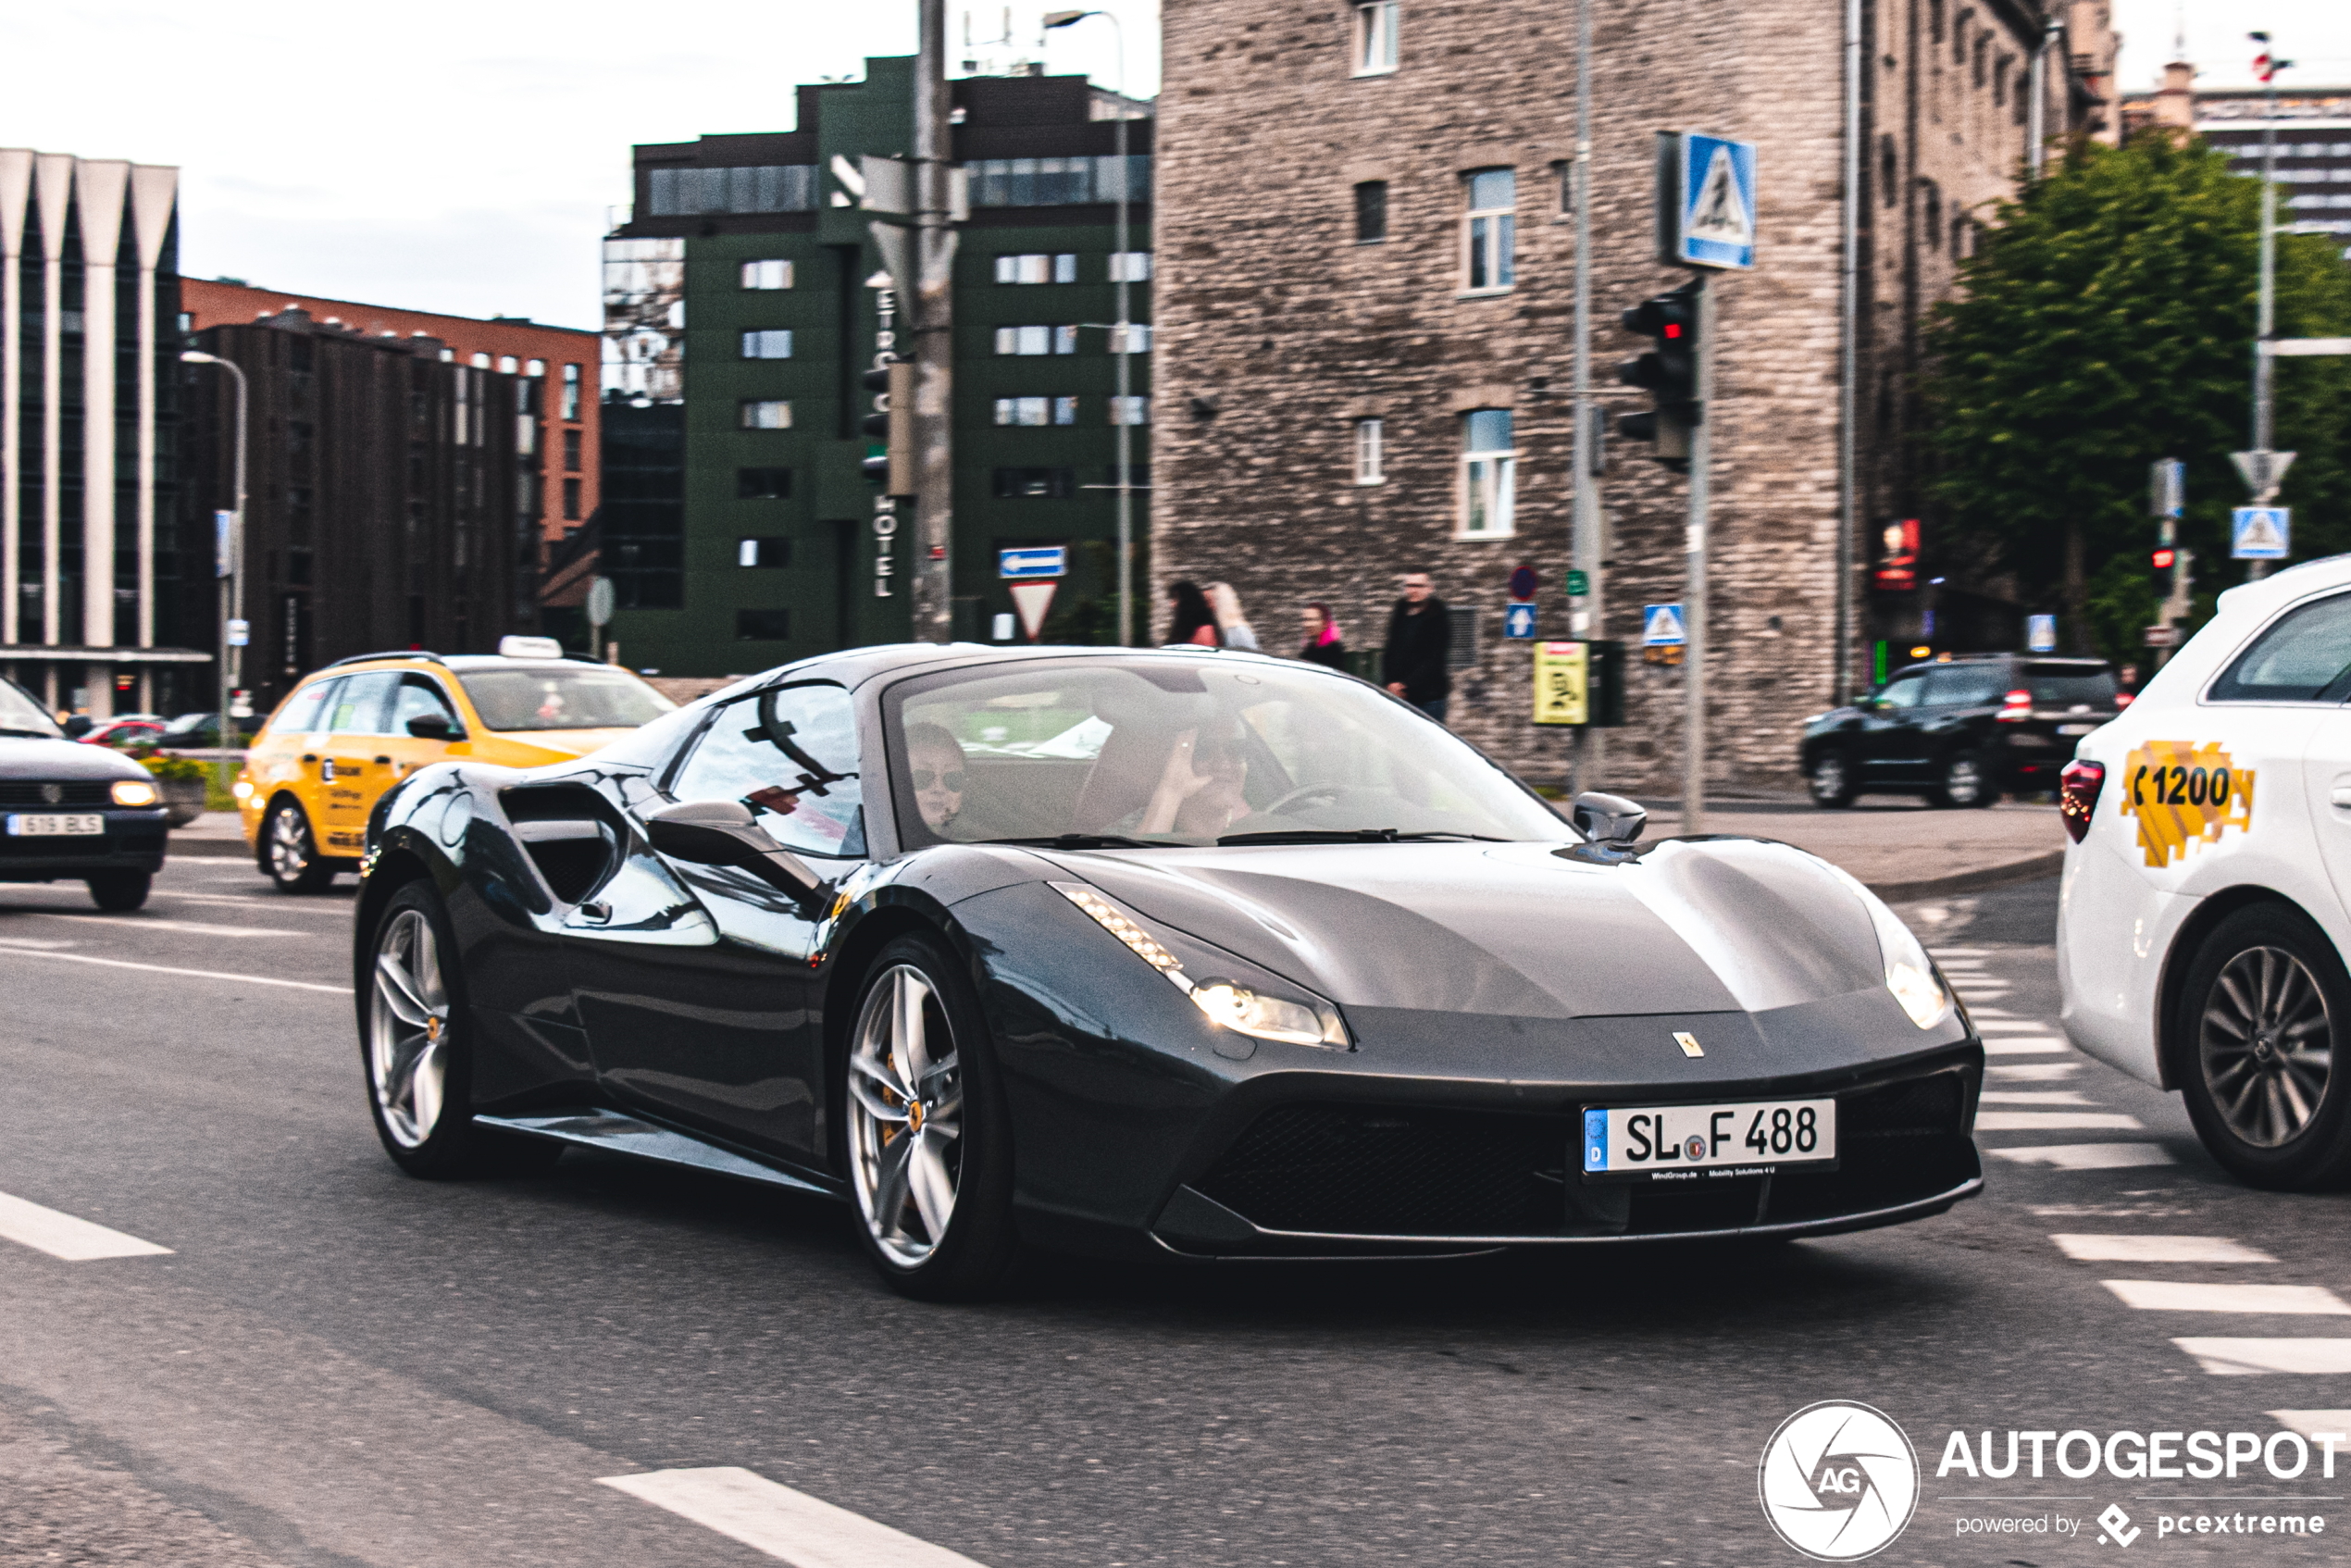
(2089, 1156)
(2034, 1097)
(800, 1530)
(2310, 1422)
(150, 923)
(2159, 1250)
(35, 943)
(2057, 1121)
(1994, 1024)
(2033, 1072)
(2023, 1046)
(258, 900)
(1960, 952)
(2246, 1358)
(62, 1236)
(168, 969)
(2180, 1295)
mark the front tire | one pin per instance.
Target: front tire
(928, 1143)
(289, 851)
(120, 890)
(2264, 1007)
(415, 1042)
(1964, 783)
(1830, 780)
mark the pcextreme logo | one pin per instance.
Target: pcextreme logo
(2183, 793)
(1838, 1481)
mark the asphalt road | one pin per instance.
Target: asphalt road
(335, 1364)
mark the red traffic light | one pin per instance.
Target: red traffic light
(1672, 330)
(2164, 557)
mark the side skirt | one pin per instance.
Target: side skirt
(618, 1134)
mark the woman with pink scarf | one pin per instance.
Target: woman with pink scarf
(1323, 645)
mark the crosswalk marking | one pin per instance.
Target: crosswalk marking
(2310, 1422)
(2038, 1045)
(2246, 1358)
(801, 1530)
(2031, 1072)
(2056, 1121)
(2089, 1156)
(1992, 1026)
(63, 1236)
(2034, 1097)
(2182, 1296)
(2158, 1250)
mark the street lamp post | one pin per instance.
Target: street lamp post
(1124, 331)
(231, 583)
(2265, 325)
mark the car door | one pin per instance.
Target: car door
(355, 769)
(715, 1021)
(1893, 750)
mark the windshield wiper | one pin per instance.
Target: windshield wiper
(1350, 836)
(1077, 841)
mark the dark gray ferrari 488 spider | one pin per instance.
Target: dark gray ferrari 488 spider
(1183, 955)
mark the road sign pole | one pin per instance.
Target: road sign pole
(1586, 619)
(1694, 596)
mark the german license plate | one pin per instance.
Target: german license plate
(2075, 728)
(50, 826)
(1651, 1141)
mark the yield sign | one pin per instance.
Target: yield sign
(1032, 600)
(2263, 471)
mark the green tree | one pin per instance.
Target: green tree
(2107, 321)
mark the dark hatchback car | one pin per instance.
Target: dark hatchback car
(1959, 732)
(74, 812)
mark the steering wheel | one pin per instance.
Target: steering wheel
(1307, 792)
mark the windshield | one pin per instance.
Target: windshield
(19, 715)
(587, 697)
(1167, 752)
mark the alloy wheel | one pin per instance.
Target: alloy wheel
(2266, 1046)
(289, 844)
(408, 1029)
(905, 1115)
(1963, 782)
(1828, 778)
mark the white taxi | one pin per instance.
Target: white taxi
(2206, 900)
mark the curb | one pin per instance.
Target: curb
(1990, 877)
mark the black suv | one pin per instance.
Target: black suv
(1960, 731)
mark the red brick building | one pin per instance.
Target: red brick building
(563, 359)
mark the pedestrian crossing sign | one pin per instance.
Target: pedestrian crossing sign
(2261, 533)
(1661, 626)
(1713, 187)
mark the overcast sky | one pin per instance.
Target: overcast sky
(463, 155)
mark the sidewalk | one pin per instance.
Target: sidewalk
(216, 834)
(1902, 849)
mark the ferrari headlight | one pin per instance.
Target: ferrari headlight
(1909, 974)
(135, 793)
(1231, 1004)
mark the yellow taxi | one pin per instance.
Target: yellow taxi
(354, 729)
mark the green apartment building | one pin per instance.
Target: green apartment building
(743, 307)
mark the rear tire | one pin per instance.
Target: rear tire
(289, 851)
(1831, 781)
(120, 890)
(2264, 1010)
(416, 1049)
(1964, 783)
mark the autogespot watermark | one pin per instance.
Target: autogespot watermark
(1839, 1481)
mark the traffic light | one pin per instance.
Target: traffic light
(2159, 569)
(1667, 373)
(891, 423)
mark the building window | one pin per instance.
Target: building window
(1934, 19)
(766, 275)
(1932, 201)
(686, 192)
(1065, 181)
(763, 626)
(571, 392)
(1133, 338)
(571, 450)
(2000, 82)
(766, 413)
(1958, 37)
(763, 484)
(1037, 268)
(769, 552)
(1370, 212)
(534, 368)
(1889, 174)
(480, 362)
(1370, 452)
(1376, 37)
(1050, 484)
(1982, 58)
(1130, 267)
(1036, 340)
(1488, 237)
(571, 500)
(773, 343)
(508, 365)
(1563, 176)
(1489, 475)
(1131, 410)
(1959, 232)
(1036, 411)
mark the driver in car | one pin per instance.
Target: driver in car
(935, 761)
(1199, 793)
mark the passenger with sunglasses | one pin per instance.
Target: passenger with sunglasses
(935, 762)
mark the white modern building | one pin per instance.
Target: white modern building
(89, 370)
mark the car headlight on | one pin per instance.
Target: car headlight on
(242, 789)
(136, 793)
(1909, 974)
(1241, 1006)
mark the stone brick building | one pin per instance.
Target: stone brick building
(1365, 308)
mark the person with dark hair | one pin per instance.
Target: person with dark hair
(1190, 617)
(1419, 640)
(1323, 645)
(935, 764)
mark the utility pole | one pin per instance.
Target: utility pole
(934, 336)
(1586, 617)
(1694, 609)
(2266, 324)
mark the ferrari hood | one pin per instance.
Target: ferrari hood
(1518, 931)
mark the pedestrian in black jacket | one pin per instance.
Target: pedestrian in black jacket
(1420, 636)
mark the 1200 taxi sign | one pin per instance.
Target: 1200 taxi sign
(1649, 1141)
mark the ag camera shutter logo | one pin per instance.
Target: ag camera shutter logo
(1839, 1481)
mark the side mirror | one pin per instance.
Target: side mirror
(1607, 819)
(726, 833)
(434, 726)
